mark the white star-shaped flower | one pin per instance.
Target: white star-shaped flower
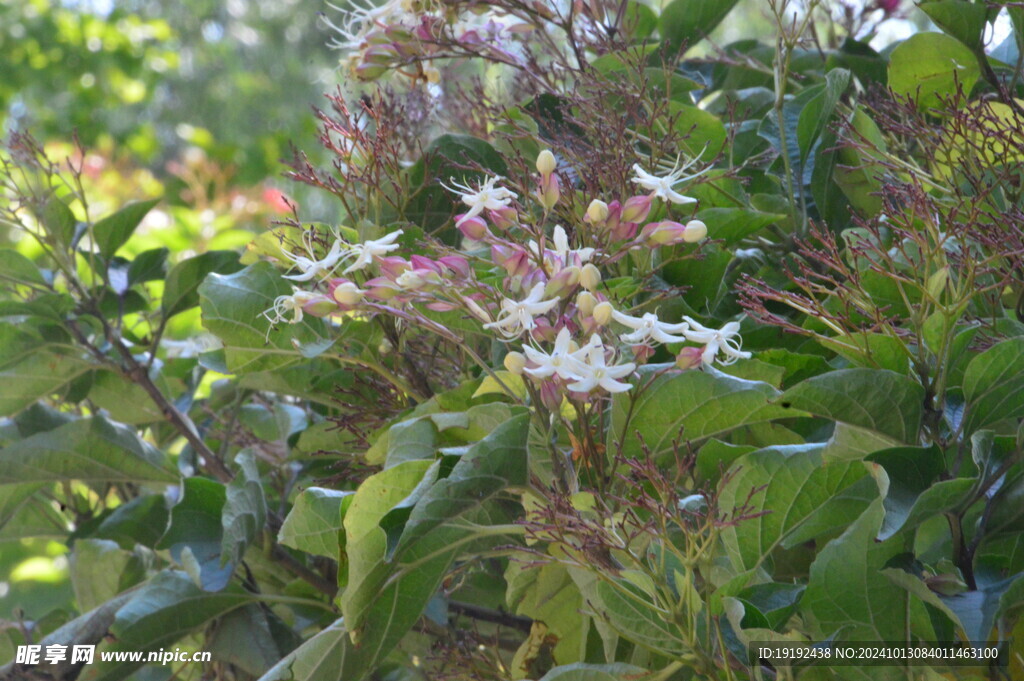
(661, 186)
(597, 372)
(727, 340)
(368, 250)
(293, 304)
(485, 197)
(560, 361)
(311, 267)
(517, 316)
(649, 327)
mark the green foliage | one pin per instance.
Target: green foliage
(352, 451)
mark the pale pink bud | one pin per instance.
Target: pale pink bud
(549, 191)
(663, 233)
(636, 208)
(455, 264)
(504, 218)
(346, 292)
(642, 353)
(551, 396)
(393, 266)
(562, 283)
(319, 306)
(689, 357)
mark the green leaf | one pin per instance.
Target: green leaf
(848, 568)
(965, 21)
(140, 521)
(734, 224)
(245, 510)
(547, 594)
(90, 449)
(148, 265)
(182, 283)
(928, 66)
(704, 133)
(691, 406)
(159, 614)
(994, 385)
(30, 370)
(244, 638)
(16, 267)
(196, 530)
(871, 350)
(491, 465)
(876, 399)
(114, 230)
(908, 481)
(688, 21)
(233, 307)
(816, 115)
(100, 570)
(581, 671)
(791, 486)
(315, 521)
(59, 221)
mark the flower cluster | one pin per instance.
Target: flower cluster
(541, 290)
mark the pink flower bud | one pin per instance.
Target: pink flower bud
(597, 212)
(393, 266)
(503, 218)
(474, 228)
(455, 265)
(319, 306)
(380, 55)
(381, 288)
(689, 357)
(546, 163)
(367, 72)
(346, 292)
(636, 208)
(420, 262)
(562, 283)
(513, 259)
(551, 396)
(642, 353)
(549, 191)
(664, 233)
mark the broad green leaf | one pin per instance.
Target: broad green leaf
(140, 521)
(691, 406)
(25, 513)
(848, 595)
(113, 231)
(816, 115)
(908, 481)
(17, 268)
(548, 594)
(965, 21)
(59, 221)
(917, 587)
(38, 373)
(852, 443)
(879, 400)
(100, 570)
(491, 465)
(91, 449)
(184, 279)
(994, 385)
(366, 541)
(976, 610)
(582, 671)
(125, 400)
(315, 521)
(245, 509)
(634, 616)
(148, 266)
(233, 307)
(790, 485)
(734, 224)
(243, 638)
(166, 608)
(776, 602)
(871, 351)
(929, 66)
(703, 133)
(688, 21)
(196, 530)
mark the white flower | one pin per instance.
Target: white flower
(517, 316)
(283, 305)
(360, 19)
(597, 373)
(310, 266)
(368, 250)
(662, 186)
(485, 197)
(566, 255)
(561, 361)
(726, 340)
(649, 327)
